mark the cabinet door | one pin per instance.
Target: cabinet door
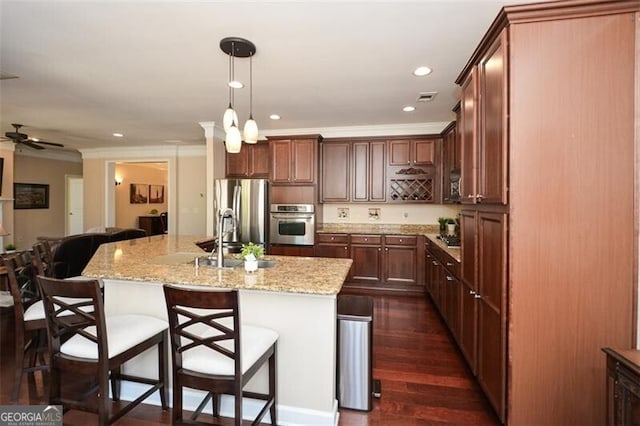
(469, 293)
(424, 152)
(492, 161)
(237, 165)
(332, 250)
(377, 171)
(280, 161)
(399, 152)
(304, 159)
(448, 161)
(335, 172)
(367, 264)
(401, 261)
(453, 292)
(492, 271)
(361, 176)
(428, 271)
(259, 160)
(468, 139)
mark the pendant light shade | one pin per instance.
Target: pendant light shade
(229, 118)
(233, 140)
(251, 131)
(237, 47)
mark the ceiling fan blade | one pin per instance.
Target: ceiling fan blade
(30, 144)
(48, 143)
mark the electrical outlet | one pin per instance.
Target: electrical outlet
(343, 213)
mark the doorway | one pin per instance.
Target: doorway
(74, 212)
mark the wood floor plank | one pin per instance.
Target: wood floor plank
(423, 375)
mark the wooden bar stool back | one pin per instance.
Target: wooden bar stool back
(83, 341)
(30, 326)
(213, 352)
(43, 260)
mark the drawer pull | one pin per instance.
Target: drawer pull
(477, 296)
(449, 278)
(434, 263)
(449, 264)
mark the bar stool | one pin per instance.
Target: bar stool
(213, 352)
(92, 344)
(30, 326)
(43, 260)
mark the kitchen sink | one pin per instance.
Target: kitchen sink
(230, 263)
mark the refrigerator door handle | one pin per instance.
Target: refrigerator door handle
(237, 191)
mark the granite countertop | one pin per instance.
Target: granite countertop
(169, 259)
(429, 231)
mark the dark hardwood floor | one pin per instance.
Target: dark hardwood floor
(423, 376)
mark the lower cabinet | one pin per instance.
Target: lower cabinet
(444, 286)
(290, 250)
(366, 252)
(380, 262)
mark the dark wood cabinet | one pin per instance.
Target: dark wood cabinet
(251, 162)
(492, 302)
(152, 224)
(366, 252)
(335, 181)
(289, 250)
(492, 153)
(411, 152)
(623, 386)
(400, 260)
(368, 172)
(451, 159)
(332, 245)
(293, 160)
(468, 138)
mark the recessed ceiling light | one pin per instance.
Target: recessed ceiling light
(422, 71)
(118, 135)
(274, 117)
(236, 84)
(409, 108)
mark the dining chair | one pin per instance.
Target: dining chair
(85, 341)
(213, 352)
(43, 260)
(30, 326)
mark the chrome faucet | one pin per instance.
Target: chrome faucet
(222, 215)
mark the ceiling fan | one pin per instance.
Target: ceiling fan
(24, 139)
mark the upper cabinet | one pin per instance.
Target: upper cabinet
(451, 161)
(251, 162)
(335, 171)
(484, 122)
(409, 152)
(293, 159)
(368, 171)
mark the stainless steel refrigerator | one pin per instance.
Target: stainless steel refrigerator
(249, 200)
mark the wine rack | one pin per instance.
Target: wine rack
(411, 189)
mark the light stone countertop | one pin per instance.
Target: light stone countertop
(452, 251)
(169, 259)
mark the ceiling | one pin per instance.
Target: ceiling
(153, 70)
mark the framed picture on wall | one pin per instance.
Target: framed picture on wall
(138, 193)
(156, 194)
(30, 196)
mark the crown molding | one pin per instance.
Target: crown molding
(144, 152)
(374, 130)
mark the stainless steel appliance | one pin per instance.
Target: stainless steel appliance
(249, 201)
(292, 224)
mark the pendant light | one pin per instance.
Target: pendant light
(237, 47)
(250, 126)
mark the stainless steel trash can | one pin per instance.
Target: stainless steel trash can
(355, 339)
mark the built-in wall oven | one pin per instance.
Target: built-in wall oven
(292, 224)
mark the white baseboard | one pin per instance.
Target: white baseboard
(287, 415)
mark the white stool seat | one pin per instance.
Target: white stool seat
(35, 312)
(123, 332)
(254, 342)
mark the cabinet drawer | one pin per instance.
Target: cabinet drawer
(452, 265)
(366, 239)
(333, 238)
(400, 240)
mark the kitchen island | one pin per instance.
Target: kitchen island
(296, 297)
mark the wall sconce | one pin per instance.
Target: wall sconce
(118, 180)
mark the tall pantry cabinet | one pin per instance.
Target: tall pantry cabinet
(550, 107)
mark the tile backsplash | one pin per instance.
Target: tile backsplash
(423, 214)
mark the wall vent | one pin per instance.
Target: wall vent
(426, 96)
